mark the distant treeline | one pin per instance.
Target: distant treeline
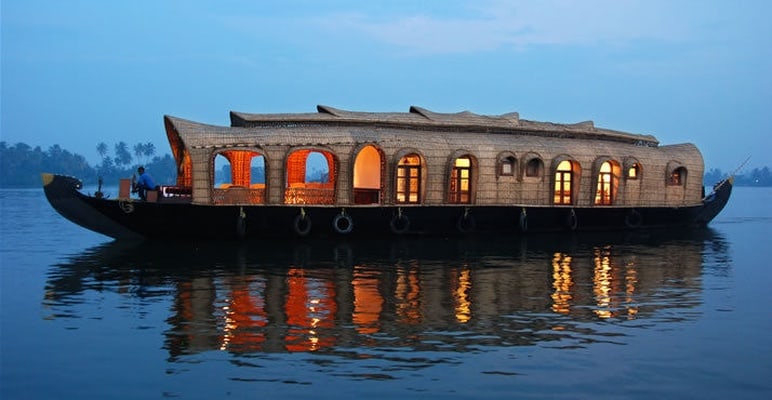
(21, 166)
(754, 177)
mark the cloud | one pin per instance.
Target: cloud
(492, 25)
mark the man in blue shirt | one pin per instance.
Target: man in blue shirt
(144, 183)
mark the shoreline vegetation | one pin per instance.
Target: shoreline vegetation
(22, 164)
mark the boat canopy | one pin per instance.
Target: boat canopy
(422, 119)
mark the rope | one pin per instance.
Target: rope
(126, 205)
(728, 179)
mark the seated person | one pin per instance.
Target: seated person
(144, 183)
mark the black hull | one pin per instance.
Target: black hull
(127, 219)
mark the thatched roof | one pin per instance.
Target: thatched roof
(421, 119)
(331, 126)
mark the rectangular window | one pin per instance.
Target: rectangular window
(562, 188)
(459, 181)
(632, 173)
(675, 178)
(414, 176)
(507, 167)
(408, 184)
(604, 190)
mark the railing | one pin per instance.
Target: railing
(238, 195)
(301, 195)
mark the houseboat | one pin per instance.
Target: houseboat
(337, 173)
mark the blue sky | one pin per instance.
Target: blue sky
(76, 73)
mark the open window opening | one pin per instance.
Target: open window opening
(239, 177)
(310, 177)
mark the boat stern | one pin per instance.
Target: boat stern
(714, 202)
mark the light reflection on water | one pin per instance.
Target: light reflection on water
(409, 304)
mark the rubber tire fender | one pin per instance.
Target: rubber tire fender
(348, 224)
(302, 225)
(399, 224)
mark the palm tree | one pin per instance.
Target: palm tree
(139, 151)
(102, 149)
(122, 155)
(149, 150)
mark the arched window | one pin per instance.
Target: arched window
(317, 168)
(604, 193)
(409, 179)
(368, 173)
(534, 168)
(564, 177)
(222, 172)
(677, 177)
(460, 176)
(257, 172)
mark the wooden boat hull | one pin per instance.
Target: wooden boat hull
(132, 219)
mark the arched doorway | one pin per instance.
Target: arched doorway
(368, 176)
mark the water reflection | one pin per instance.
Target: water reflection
(419, 295)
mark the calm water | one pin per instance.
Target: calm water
(653, 315)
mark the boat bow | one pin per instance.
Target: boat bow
(63, 192)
